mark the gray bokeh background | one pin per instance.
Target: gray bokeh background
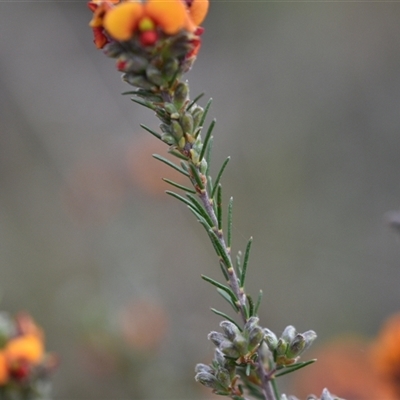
(307, 100)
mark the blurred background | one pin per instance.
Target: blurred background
(307, 100)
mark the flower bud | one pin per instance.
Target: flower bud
(216, 337)
(281, 347)
(296, 346)
(187, 122)
(203, 368)
(309, 337)
(197, 113)
(241, 344)
(256, 336)
(170, 68)
(169, 139)
(171, 110)
(223, 377)
(177, 129)
(154, 75)
(219, 357)
(289, 333)
(180, 94)
(229, 349)
(206, 379)
(137, 81)
(113, 49)
(251, 323)
(203, 166)
(230, 330)
(138, 64)
(270, 339)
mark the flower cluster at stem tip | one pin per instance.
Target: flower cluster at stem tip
(149, 21)
(23, 361)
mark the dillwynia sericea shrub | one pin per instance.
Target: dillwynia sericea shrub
(155, 42)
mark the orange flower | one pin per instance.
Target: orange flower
(130, 17)
(124, 20)
(385, 354)
(197, 12)
(99, 9)
(343, 366)
(27, 348)
(3, 369)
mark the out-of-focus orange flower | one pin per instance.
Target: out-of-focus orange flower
(27, 347)
(385, 354)
(143, 325)
(22, 353)
(344, 367)
(149, 179)
(3, 369)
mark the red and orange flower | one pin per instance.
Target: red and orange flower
(22, 352)
(126, 19)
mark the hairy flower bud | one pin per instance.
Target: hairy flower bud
(230, 330)
(296, 346)
(206, 379)
(289, 333)
(270, 339)
(203, 368)
(216, 337)
(256, 336)
(229, 349)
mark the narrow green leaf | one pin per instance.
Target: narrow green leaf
(260, 294)
(195, 100)
(177, 185)
(144, 103)
(208, 157)
(219, 206)
(245, 262)
(154, 133)
(295, 367)
(223, 269)
(239, 263)
(196, 176)
(228, 299)
(219, 286)
(202, 221)
(185, 167)
(181, 198)
(171, 164)
(207, 107)
(209, 184)
(200, 209)
(132, 92)
(219, 176)
(177, 154)
(207, 139)
(222, 253)
(275, 389)
(223, 315)
(251, 305)
(248, 369)
(229, 234)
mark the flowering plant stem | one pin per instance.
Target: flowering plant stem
(155, 44)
